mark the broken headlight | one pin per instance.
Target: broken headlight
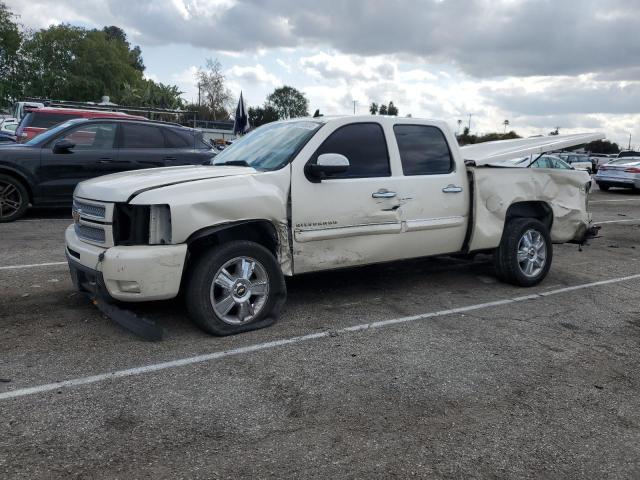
(141, 224)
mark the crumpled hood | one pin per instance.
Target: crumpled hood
(120, 187)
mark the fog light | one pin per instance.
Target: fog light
(128, 286)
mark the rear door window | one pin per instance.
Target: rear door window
(178, 139)
(423, 150)
(46, 120)
(365, 147)
(141, 136)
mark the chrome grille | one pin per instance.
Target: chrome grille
(88, 210)
(93, 234)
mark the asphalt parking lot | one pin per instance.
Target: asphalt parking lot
(427, 368)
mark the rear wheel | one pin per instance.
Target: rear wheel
(234, 288)
(525, 252)
(14, 199)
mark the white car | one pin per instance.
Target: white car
(577, 161)
(307, 195)
(622, 172)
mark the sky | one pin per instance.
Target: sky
(538, 63)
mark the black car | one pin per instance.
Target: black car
(45, 170)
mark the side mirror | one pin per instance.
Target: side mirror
(328, 164)
(63, 146)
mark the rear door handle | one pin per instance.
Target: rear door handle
(105, 160)
(452, 189)
(171, 159)
(383, 193)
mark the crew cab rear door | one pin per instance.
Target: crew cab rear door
(349, 218)
(434, 187)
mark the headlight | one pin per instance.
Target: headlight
(141, 224)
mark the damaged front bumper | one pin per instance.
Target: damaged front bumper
(113, 275)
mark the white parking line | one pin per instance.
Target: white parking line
(68, 220)
(619, 221)
(293, 340)
(32, 265)
(611, 201)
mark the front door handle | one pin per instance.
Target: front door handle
(452, 189)
(105, 160)
(383, 193)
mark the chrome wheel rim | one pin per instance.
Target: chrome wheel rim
(532, 253)
(239, 290)
(10, 199)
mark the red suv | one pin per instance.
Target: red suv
(38, 120)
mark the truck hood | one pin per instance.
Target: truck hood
(121, 187)
(500, 150)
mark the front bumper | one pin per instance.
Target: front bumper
(126, 273)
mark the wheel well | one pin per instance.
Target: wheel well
(539, 210)
(262, 232)
(20, 178)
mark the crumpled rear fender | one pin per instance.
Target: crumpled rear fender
(565, 192)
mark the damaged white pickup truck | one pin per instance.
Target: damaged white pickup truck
(315, 194)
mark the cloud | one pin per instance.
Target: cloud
(484, 38)
(253, 75)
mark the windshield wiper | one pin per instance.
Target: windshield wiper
(237, 163)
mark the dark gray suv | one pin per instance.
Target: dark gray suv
(45, 170)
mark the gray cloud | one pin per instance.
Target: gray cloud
(570, 98)
(485, 38)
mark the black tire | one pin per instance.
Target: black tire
(508, 268)
(12, 190)
(603, 187)
(199, 293)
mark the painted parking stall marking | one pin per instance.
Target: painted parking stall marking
(294, 340)
(32, 265)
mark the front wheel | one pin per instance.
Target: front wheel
(14, 199)
(525, 252)
(236, 287)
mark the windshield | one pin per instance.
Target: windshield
(269, 147)
(52, 132)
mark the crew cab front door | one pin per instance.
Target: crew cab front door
(350, 218)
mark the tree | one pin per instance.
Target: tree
(459, 124)
(212, 82)
(392, 109)
(260, 115)
(383, 109)
(602, 146)
(116, 34)
(373, 108)
(10, 41)
(288, 102)
(506, 124)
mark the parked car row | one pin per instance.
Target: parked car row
(45, 170)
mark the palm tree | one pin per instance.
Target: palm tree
(459, 124)
(506, 124)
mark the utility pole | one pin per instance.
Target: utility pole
(629, 142)
(354, 106)
(469, 126)
(199, 84)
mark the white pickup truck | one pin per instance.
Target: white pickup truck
(306, 195)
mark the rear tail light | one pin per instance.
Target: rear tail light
(632, 170)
